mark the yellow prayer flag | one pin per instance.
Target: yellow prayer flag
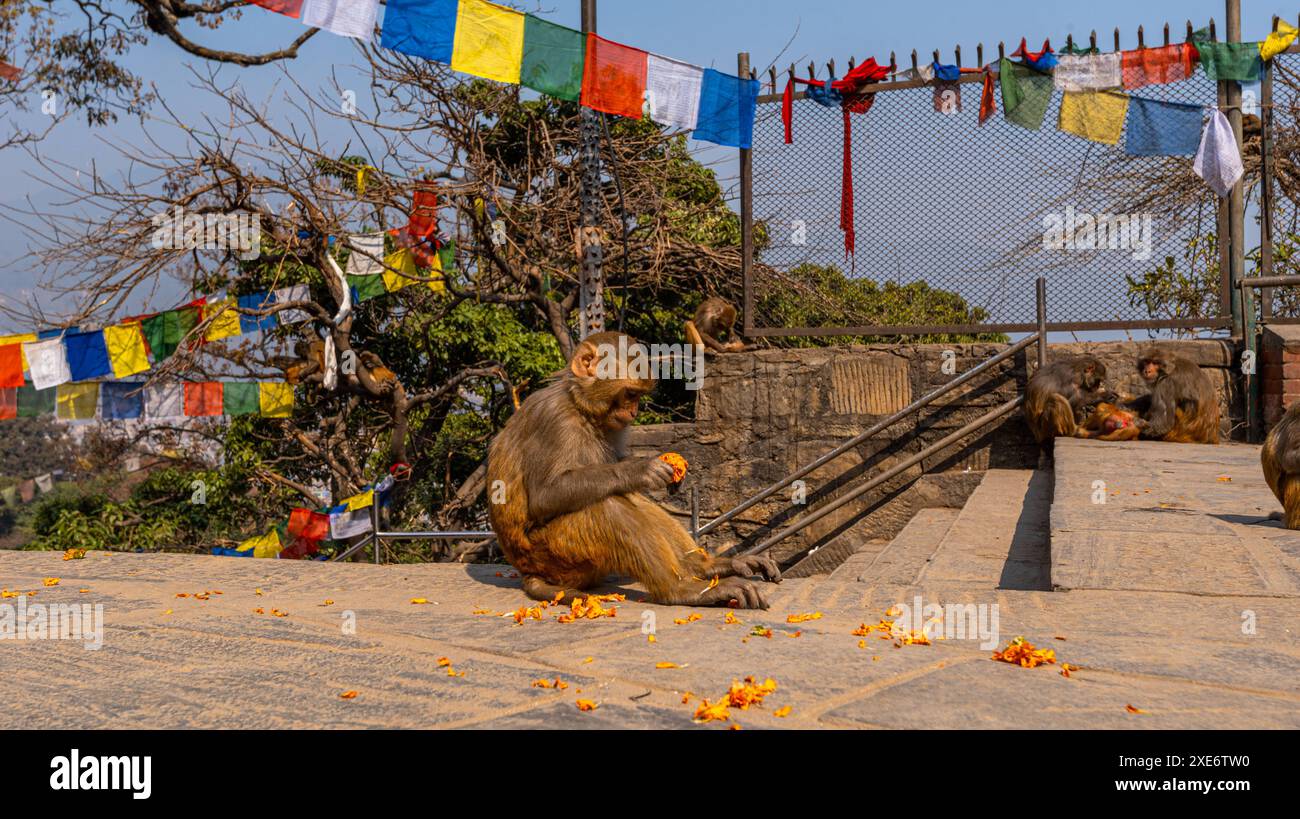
(19, 338)
(126, 350)
(267, 545)
(399, 260)
(75, 402)
(226, 323)
(360, 501)
(362, 173)
(1095, 115)
(275, 399)
(1278, 41)
(489, 41)
(436, 284)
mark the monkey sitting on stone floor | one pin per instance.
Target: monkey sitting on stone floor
(566, 502)
(714, 319)
(1280, 457)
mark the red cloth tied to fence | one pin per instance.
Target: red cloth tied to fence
(988, 99)
(1152, 66)
(852, 100)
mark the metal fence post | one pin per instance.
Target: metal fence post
(374, 527)
(1040, 296)
(591, 289)
(746, 216)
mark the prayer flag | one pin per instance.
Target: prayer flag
(365, 288)
(290, 295)
(347, 18)
(87, 354)
(126, 350)
(1043, 60)
(489, 41)
(614, 77)
(225, 320)
(202, 398)
(11, 365)
(673, 92)
(1026, 93)
(403, 266)
(33, 402)
(8, 403)
(1088, 72)
(165, 400)
(1278, 41)
(9, 72)
(275, 399)
(346, 523)
(121, 400)
(367, 253)
(1218, 160)
(309, 525)
(1157, 128)
(255, 324)
(421, 28)
(19, 338)
(240, 397)
(289, 8)
(1095, 115)
(988, 99)
(48, 363)
(164, 332)
(267, 545)
(553, 57)
(1165, 64)
(77, 402)
(1230, 61)
(727, 107)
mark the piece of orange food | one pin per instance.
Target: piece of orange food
(677, 462)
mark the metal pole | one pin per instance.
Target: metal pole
(1040, 293)
(1243, 313)
(591, 292)
(746, 216)
(374, 526)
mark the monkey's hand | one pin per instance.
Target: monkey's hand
(751, 565)
(655, 475)
(734, 592)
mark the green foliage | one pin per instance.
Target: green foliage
(1181, 288)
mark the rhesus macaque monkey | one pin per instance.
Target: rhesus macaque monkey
(309, 361)
(1280, 457)
(1059, 394)
(1182, 406)
(714, 318)
(1108, 422)
(383, 377)
(570, 510)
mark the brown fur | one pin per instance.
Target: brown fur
(567, 508)
(1182, 407)
(1280, 457)
(714, 318)
(1059, 393)
(1109, 423)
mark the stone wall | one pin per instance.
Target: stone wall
(762, 415)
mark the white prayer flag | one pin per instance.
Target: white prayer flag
(345, 524)
(165, 400)
(45, 482)
(47, 362)
(288, 295)
(1089, 72)
(348, 18)
(673, 91)
(1218, 161)
(367, 256)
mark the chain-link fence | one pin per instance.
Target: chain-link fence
(1279, 238)
(968, 216)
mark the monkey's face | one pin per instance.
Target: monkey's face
(623, 409)
(1149, 369)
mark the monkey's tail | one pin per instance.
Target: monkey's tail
(1055, 421)
(1290, 485)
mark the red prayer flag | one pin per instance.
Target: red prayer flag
(202, 398)
(424, 210)
(1148, 66)
(289, 8)
(988, 102)
(9, 72)
(308, 525)
(8, 403)
(11, 365)
(613, 79)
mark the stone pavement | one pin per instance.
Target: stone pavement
(1157, 624)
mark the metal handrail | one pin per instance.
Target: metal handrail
(377, 537)
(1039, 338)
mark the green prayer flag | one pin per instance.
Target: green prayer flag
(240, 398)
(1231, 61)
(367, 287)
(33, 402)
(165, 331)
(1026, 93)
(553, 58)
(447, 256)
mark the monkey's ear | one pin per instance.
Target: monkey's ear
(584, 360)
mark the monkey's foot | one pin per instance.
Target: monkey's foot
(750, 565)
(735, 592)
(539, 589)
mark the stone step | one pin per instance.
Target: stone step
(1001, 537)
(1154, 516)
(900, 560)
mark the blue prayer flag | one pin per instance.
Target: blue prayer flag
(1157, 128)
(121, 400)
(87, 354)
(727, 106)
(256, 301)
(421, 28)
(946, 72)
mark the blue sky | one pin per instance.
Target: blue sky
(708, 34)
